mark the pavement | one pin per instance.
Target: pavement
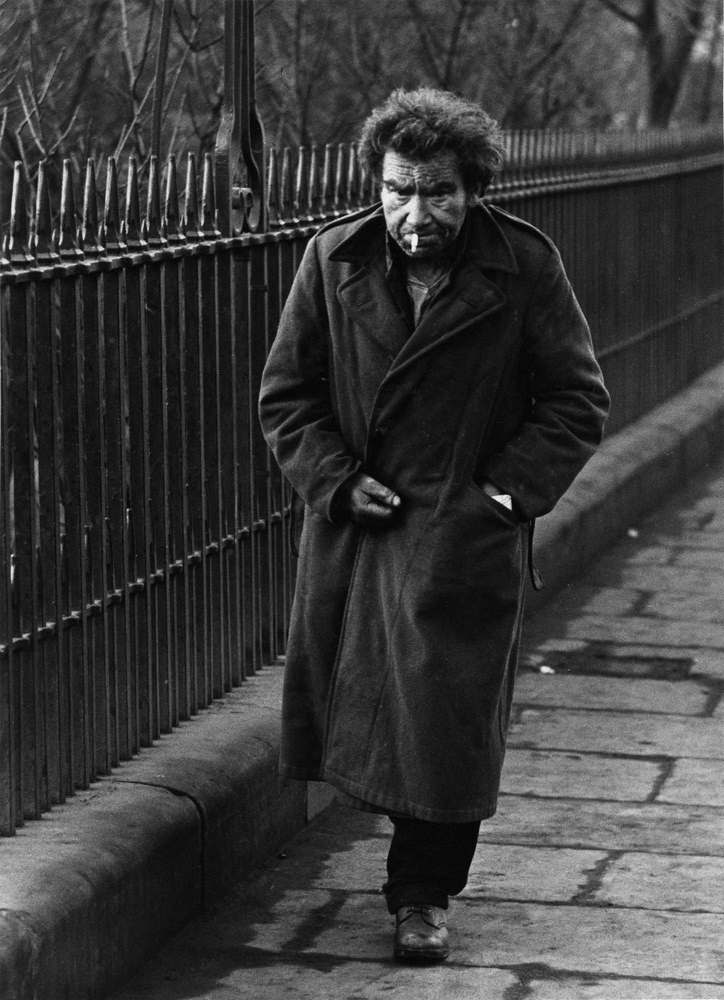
(599, 879)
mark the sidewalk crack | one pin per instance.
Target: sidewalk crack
(586, 896)
(666, 767)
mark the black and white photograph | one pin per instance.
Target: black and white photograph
(361, 500)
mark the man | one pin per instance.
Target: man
(431, 390)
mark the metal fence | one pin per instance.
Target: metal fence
(145, 566)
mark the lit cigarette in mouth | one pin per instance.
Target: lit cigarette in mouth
(414, 240)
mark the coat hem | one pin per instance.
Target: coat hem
(371, 801)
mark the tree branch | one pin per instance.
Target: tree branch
(558, 44)
(425, 40)
(621, 12)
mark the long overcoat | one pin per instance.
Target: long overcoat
(403, 640)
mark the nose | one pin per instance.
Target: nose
(417, 211)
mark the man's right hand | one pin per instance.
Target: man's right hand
(367, 502)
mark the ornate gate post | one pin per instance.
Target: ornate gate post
(239, 152)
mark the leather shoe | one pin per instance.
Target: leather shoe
(421, 934)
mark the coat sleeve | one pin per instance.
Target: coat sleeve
(569, 402)
(295, 408)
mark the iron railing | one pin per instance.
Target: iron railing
(145, 565)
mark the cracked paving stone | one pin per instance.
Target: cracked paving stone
(664, 882)
(694, 782)
(531, 874)
(614, 693)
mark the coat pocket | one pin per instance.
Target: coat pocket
(494, 506)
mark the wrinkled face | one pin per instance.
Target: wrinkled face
(426, 198)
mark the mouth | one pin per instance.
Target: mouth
(414, 241)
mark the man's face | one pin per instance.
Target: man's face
(423, 197)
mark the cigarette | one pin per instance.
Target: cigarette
(414, 240)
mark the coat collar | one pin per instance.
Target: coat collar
(487, 245)
(366, 297)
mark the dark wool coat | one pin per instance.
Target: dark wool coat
(403, 640)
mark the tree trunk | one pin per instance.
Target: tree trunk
(667, 63)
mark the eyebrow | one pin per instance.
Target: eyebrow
(402, 187)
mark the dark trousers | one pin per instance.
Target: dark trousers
(427, 862)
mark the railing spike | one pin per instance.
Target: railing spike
(89, 240)
(287, 198)
(299, 186)
(67, 234)
(327, 185)
(151, 227)
(209, 225)
(131, 225)
(191, 223)
(110, 231)
(42, 239)
(313, 199)
(272, 188)
(338, 201)
(352, 178)
(16, 245)
(171, 220)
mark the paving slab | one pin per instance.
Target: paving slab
(622, 826)
(685, 607)
(617, 732)
(597, 988)
(646, 630)
(581, 776)
(595, 600)
(709, 663)
(694, 782)
(709, 540)
(708, 557)
(659, 555)
(664, 882)
(530, 874)
(613, 573)
(702, 663)
(614, 693)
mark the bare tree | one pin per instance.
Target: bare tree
(668, 30)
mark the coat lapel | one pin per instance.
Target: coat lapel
(366, 299)
(471, 297)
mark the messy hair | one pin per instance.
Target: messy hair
(422, 123)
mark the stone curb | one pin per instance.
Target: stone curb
(92, 889)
